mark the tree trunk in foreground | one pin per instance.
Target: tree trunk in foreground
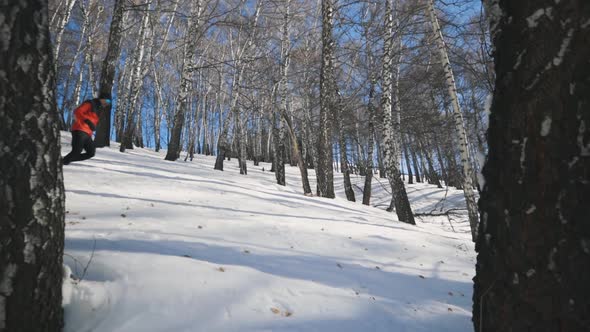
(32, 192)
(533, 263)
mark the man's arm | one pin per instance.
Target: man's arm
(90, 124)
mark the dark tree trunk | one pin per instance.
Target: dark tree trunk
(408, 163)
(279, 151)
(533, 263)
(299, 158)
(174, 147)
(325, 171)
(371, 147)
(32, 194)
(344, 158)
(103, 129)
(186, 79)
(415, 162)
(432, 174)
(380, 161)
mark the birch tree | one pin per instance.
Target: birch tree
(136, 82)
(190, 46)
(103, 129)
(324, 170)
(467, 179)
(32, 194)
(399, 195)
(240, 55)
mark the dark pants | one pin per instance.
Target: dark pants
(80, 140)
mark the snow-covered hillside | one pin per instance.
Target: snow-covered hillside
(181, 247)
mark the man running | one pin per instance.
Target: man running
(86, 118)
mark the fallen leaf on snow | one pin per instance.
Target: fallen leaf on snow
(220, 269)
(275, 311)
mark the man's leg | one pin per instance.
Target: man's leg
(89, 147)
(77, 146)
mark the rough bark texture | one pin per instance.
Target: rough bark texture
(534, 241)
(371, 145)
(467, 182)
(345, 168)
(325, 171)
(31, 184)
(109, 64)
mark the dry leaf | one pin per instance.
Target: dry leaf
(275, 311)
(287, 313)
(221, 269)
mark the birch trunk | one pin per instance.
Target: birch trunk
(191, 38)
(371, 143)
(344, 167)
(408, 163)
(67, 12)
(399, 195)
(32, 201)
(325, 170)
(467, 181)
(136, 81)
(103, 129)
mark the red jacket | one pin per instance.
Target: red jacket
(85, 118)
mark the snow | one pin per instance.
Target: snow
(181, 247)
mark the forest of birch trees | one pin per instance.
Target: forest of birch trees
(389, 89)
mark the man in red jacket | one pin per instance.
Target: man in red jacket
(85, 120)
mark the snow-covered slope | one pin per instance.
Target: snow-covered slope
(177, 246)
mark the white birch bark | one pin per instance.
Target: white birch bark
(458, 119)
(61, 28)
(400, 198)
(136, 82)
(190, 46)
